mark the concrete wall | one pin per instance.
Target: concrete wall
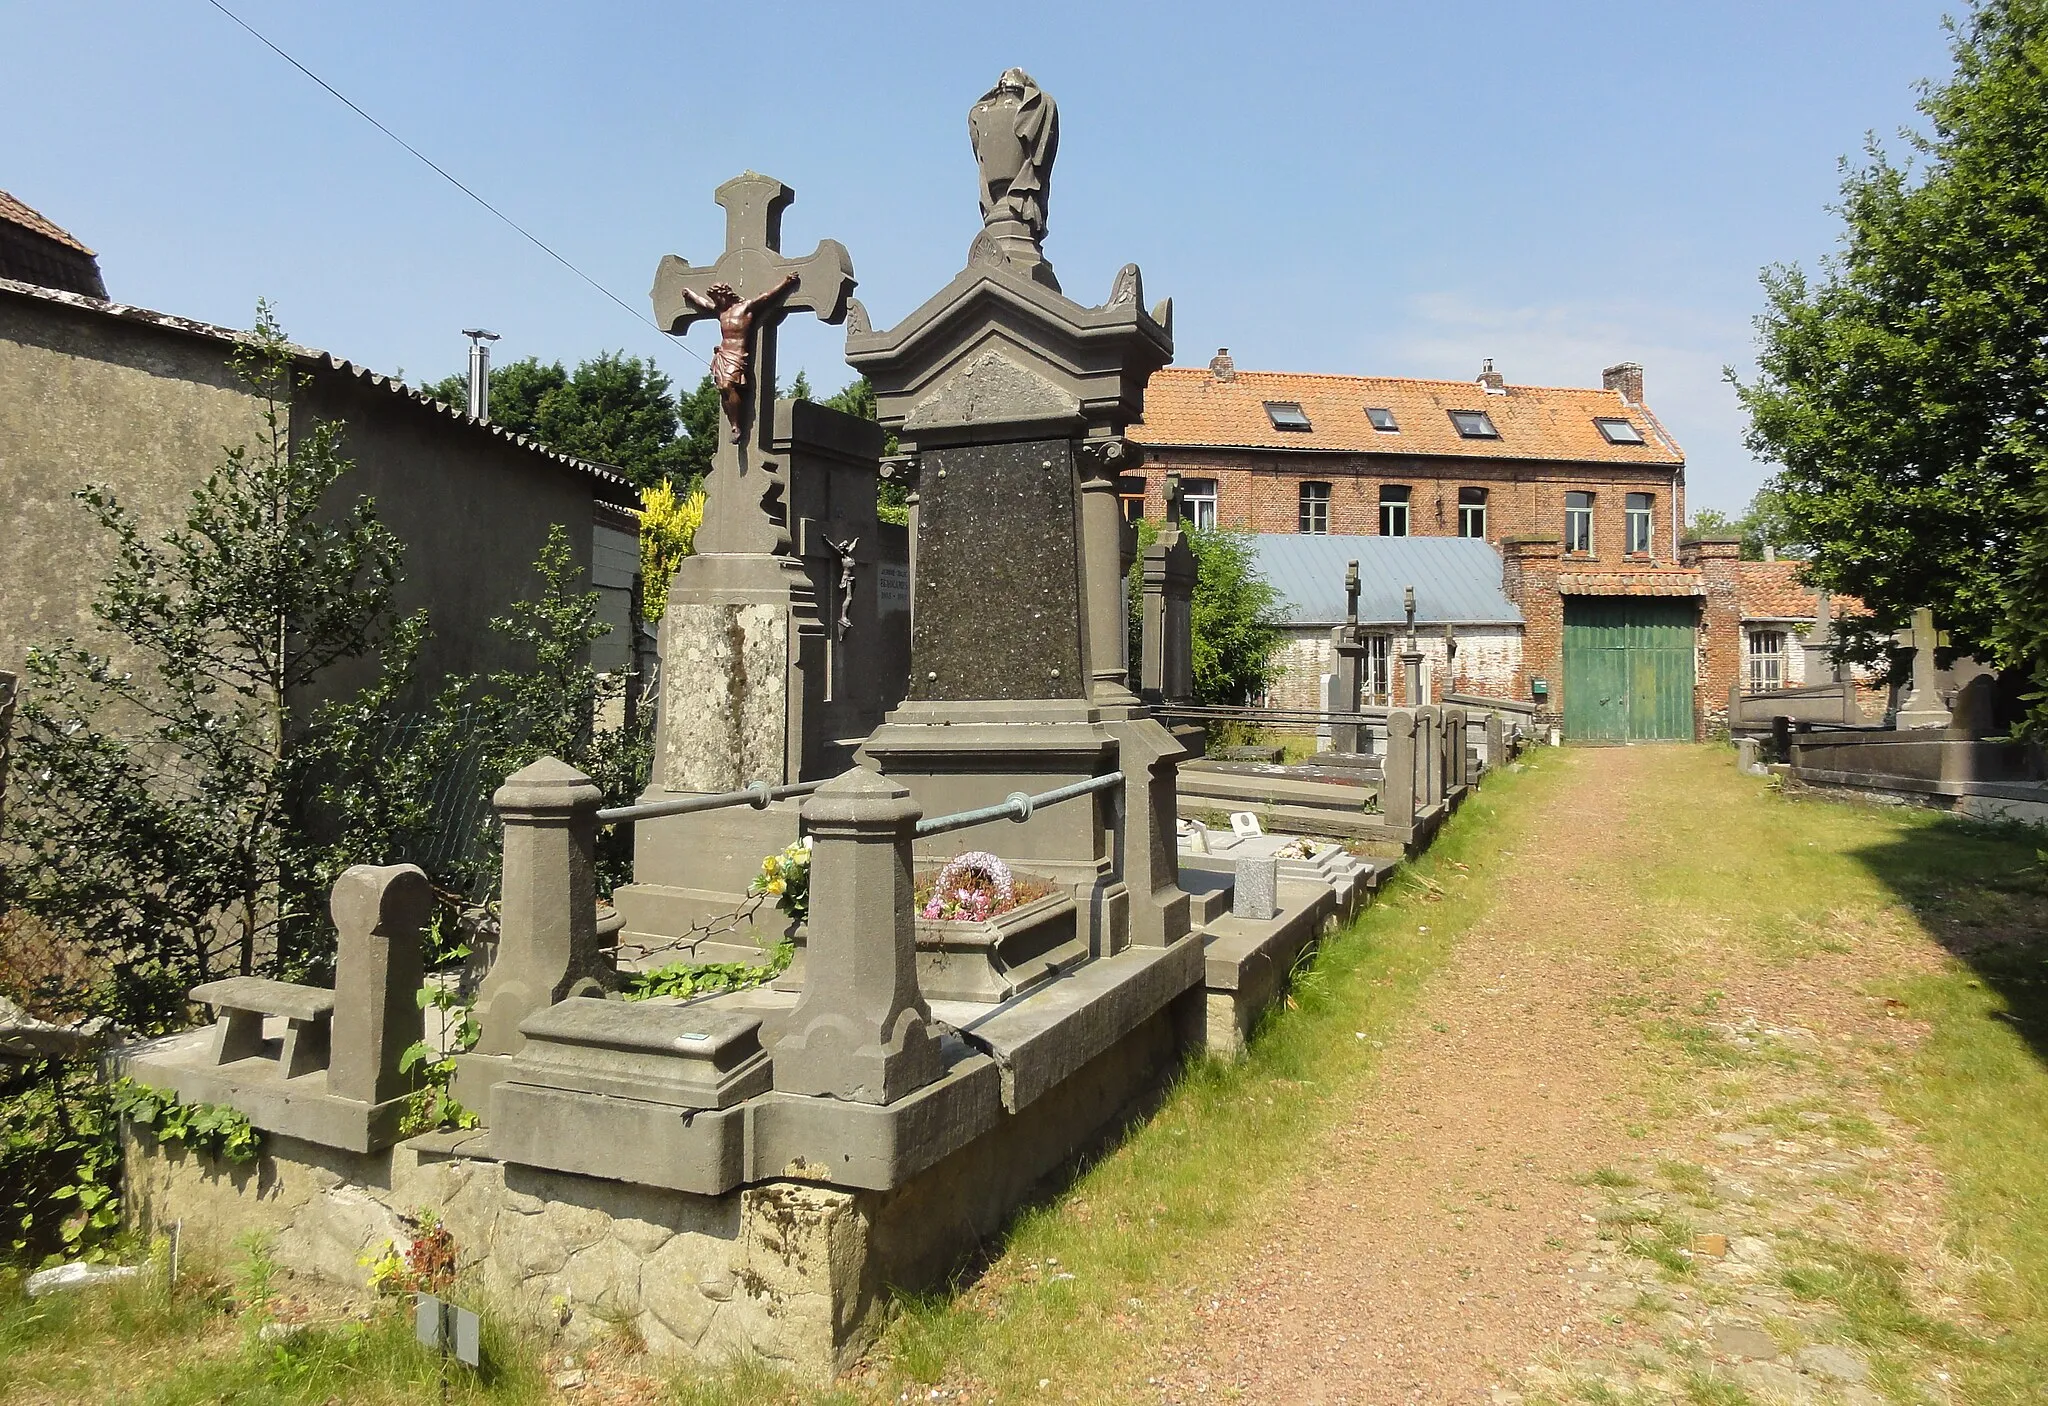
(146, 405)
(473, 511)
(86, 398)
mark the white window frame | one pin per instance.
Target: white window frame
(1475, 511)
(1575, 542)
(1641, 523)
(1766, 658)
(1375, 681)
(1396, 512)
(1199, 497)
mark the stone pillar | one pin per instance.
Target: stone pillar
(1495, 742)
(1102, 530)
(1150, 758)
(378, 914)
(1167, 671)
(1350, 651)
(547, 926)
(1457, 770)
(861, 1031)
(1429, 754)
(1398, 770)
(1411, 676)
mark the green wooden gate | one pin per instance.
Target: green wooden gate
(1628, 668)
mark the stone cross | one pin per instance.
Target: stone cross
(1922, 705)
(1176, 502)
(753, 267)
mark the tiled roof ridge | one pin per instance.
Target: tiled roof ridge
(15, 210)
(193, 327)
(1343, 377)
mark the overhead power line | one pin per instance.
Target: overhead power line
(438, 170)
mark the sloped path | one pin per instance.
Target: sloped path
(1611, 1117)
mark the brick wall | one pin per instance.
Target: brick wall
(1719, 642)
(1259, 491)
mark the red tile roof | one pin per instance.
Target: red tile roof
(14, 212)
(1772, 590)
(1190, 406)
(1650, 581)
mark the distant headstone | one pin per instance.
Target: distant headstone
(1256, 894)
(1922, 706)
(1243, 823)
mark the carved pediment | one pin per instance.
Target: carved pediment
(992, 389)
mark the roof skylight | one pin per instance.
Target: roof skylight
(1382, 419)
(1287, 415)
(1619, 431)
(1474, 424)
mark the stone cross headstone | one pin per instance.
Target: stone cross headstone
(1818, 646)
(743, 479)
(1922, 705)
(1166, 628)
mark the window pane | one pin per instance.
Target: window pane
(1474, 424)
(1382, 419)
(1471, 495)
(1619, 431)
(1287, 415)
(1315, 507)
(1578, 500)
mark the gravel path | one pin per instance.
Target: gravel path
(1488, 1224)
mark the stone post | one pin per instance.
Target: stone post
(861, 1031)
(1167, 671)
(1398, 771)
(1495, 742)
(1456, 753)
(378, 914)
(1411, 676)
(1350, 652)
(1102, 530)
(547, 926)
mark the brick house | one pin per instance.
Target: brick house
(1629, 632)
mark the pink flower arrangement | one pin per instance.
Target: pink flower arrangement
(971, 888)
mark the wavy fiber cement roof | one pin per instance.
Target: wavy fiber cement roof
(1456, 579)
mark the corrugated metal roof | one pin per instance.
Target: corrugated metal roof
(1456, 579)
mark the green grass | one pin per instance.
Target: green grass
(138, 1342)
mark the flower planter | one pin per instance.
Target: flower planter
(995, 958)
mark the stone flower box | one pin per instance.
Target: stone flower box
(996, 958)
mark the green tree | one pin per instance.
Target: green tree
(165, 808)
(614, 409)
(1761, 525)
(702, 423)
(1905, 390)
(554, 704)
(1235, 615)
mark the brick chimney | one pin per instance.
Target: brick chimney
(1221, 366)
(1626, 377)
(1495, 383)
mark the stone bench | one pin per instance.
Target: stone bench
(242, 1002)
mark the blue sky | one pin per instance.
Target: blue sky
(1373, 188)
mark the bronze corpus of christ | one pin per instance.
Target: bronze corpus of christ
(732, 361)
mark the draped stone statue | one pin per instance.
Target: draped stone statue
(1015, 129)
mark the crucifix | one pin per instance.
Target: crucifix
(749, 291)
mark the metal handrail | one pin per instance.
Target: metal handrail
(755, 793)
(1016, 806)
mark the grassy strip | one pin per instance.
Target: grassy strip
(1795, 876)
(1122, 1252)
(137, 1341)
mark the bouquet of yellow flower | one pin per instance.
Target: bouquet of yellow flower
(788, 877)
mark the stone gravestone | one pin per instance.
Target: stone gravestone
(1922, 705)
(782, 645)
(1010, 402)
(1349, 648)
